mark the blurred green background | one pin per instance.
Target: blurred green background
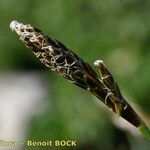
(116, 31)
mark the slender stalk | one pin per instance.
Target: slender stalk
(66, 63)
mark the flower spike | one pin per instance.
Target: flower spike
(60, 59)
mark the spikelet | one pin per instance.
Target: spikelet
(66, 63)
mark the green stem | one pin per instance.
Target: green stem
(144, 130)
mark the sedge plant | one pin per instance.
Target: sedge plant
(62, 60)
